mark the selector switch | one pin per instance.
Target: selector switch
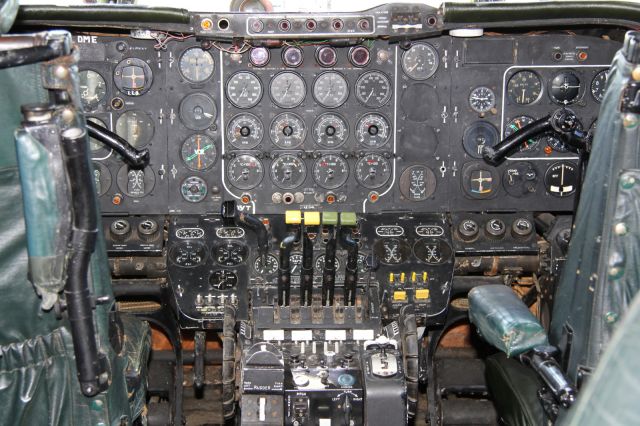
(468, 229)
(495, 228)
(148, 230)
(521, 228)
(120, 229)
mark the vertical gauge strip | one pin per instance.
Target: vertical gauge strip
(102, 178)
(196, 65)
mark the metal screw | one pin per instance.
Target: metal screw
(620, 228)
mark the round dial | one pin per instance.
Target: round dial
(134, 182)
(434, 251)
(373, 171)
(268, 267)
(287, 89)
(417, 183)
(288, 171)
(245, 131)
(391, 251)
(292, 56)
(524, 87)
(198, 111)
(196, 65)
(330, 130)
(198, 152)
(561, 179)
(287, 130)
(188, 254)
(229, 253)
(223, 279)
(321, 260)
(330, 171)
(133, 77)
(514, 125)
(193, 189)
(359, 56)
(421, 61)
(93, 89)
(244, 89)
(564, 88)
(326, 56)
(478, 135)
(330, 89)
(482, 99)
(94, 145)
(136, 127)
(102, 178)
(245, 171)
(373, 130)
(373, 89)
(259, 56)
(599, 85)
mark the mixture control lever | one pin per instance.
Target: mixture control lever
(348, 221)
(330, 220)
(306, 273)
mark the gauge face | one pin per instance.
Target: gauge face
(479, 180)
(133, 77)
(94, 145)
(198, 152)
(599, 85)
(478, 135)
(102, 178)
(288, 171)
(245, 171)
(561, 179)
(229, 253)
(292, 56)
(524, 87)
(392, 251)
(259, 56)
(198, 111)
(482, 99)
(287, 130)
(373, 171)
(188, 254)
(245, 131)
(196, 65)
(287, 89)
(555, 143)
(417, 183)
(244, 89)
(514, 125)
(135, 183)
(373, 130)
(193, 189)
(136, 127)
(330, 171)
(373, 89)
(268, 267)
(433, 251)
(321, 260)
(326, 56)
(330, 89)
(223, 279)
(93, 89)
(330, 130)
(564, 88)
(420, 62)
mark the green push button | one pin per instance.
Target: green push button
(329, 218)
(348, 219)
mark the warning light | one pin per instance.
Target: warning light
(246, 199)
(548, 150)
(582, 55)
(331, 198)
(206, 24)
(373, 197)
(116, 200)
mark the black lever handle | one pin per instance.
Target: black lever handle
(329, 270)
(351, 269)
(306, 273)
(136, 158)
(495, 155)
(284, 270)
(231, 216)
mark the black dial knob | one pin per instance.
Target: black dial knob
(148, 230)
(495, 228)
(521, 228)
(120, 229)
(468, 229)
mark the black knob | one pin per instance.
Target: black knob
(521, 228)
(495, 228)
(148, 230)
(120, 229)
(468, 229)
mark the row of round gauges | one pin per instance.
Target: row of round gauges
(288, 89)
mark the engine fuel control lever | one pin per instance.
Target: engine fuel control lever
(329, 222)
(348, 222)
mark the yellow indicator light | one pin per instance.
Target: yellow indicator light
(422, 294)
(414, 277)
(206, 24)
(392, 277)
(399, 296)
(402, 277)
(312, 218)
(293, 217)
(425, 277)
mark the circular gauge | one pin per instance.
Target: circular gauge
(188, 254)
(373, 89)
(479, 180)
(259, 56)
(373, 130)
(287, 130)
(561, 179)
(599, 85)
(326, 56)
(417, 183)
(434, 251)
(244, 89)
(135, 183)
(330, 171)
(321, 260)
(229, 253)
(564, 88)
(245, 171)
(196, 65)
(102, 178)
(524, 87)
(133, 77)
(554, 141)
(520, 179)
(330, 130)
(288, 171)
(136, 127)
(330, 89)
(193, 189)
(373, 171)
(223, 279)
(198, 111)
(514, 125)
(268, 267)
(292, 56)
(93, 89)
(287, 89)
(482, 99)
(245, 131)
(421, 61)
(198, 152)
(391, 251)
(94, 144)
(478, 135)
(359, 56)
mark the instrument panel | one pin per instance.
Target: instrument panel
(371, 127)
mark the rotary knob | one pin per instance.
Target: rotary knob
(120, 229)
(495, 228)
(521, 228)
(148, 230)
(468, 229)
